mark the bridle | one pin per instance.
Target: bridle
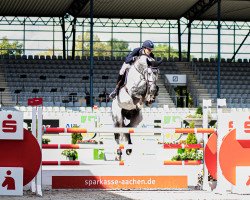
(146, 77)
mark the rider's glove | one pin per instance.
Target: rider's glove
(134, 58)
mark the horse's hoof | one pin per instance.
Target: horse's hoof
(118, 158)
(119, 152)
(128, 151)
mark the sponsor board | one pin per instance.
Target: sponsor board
(119, 182)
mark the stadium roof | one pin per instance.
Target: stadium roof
(231, 10)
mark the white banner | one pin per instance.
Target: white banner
(11, 125)
(242, 180)
(78, 120)
(176, 79)
(242, 125)
(11, 181)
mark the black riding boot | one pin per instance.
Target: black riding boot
(113, 94)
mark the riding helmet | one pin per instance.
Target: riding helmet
(148, 44)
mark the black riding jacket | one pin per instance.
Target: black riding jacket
(135, 52)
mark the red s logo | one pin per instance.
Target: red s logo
(231, 125)
(9, 126)
(247, 126)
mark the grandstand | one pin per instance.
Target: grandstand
(58, 77)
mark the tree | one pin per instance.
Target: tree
(8, 48)
(162, 50)
(100, 48)
(120, 47)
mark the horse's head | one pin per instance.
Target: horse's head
(151, 75)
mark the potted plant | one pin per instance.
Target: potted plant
(75, 137)
(188, 154)
(71, 154)
(45, 141)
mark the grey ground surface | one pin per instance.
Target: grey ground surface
(127, 194)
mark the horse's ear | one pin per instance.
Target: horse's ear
(149, 63)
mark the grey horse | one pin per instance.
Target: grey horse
(140, 88)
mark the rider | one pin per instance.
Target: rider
(147, 47)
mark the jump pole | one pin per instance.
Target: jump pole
(144, 131)
(94, 146)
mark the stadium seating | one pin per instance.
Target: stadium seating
(235, 80)
(73, 70)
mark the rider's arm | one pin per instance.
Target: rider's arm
(152, 55)
(129, 58)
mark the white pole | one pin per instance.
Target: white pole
(222, 185)
(39, 139)
(206, 105)
(33, 130)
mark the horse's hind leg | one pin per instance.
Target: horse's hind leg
(134, 122)
(118, 122)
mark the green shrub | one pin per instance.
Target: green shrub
(45, 141)
(75, 137)
(70, 153)
(199, 111)
(191, 138)
(188, 155)
(176, 157)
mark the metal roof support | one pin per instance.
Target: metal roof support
(179, 40)
(112, 38)
(53, 36)
(219, 48)
(76, 7)
(63, 36)
(202, 49)
(193, 13)
(91, 51)
(82, 39)
(198, 9)
(189, 41)
(74, 38)
(24, 36)
(140, 33)
(235, 53)
(234, 37)
(169, 40)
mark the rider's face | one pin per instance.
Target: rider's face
(148, 51)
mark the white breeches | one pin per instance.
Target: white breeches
(124, 68)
